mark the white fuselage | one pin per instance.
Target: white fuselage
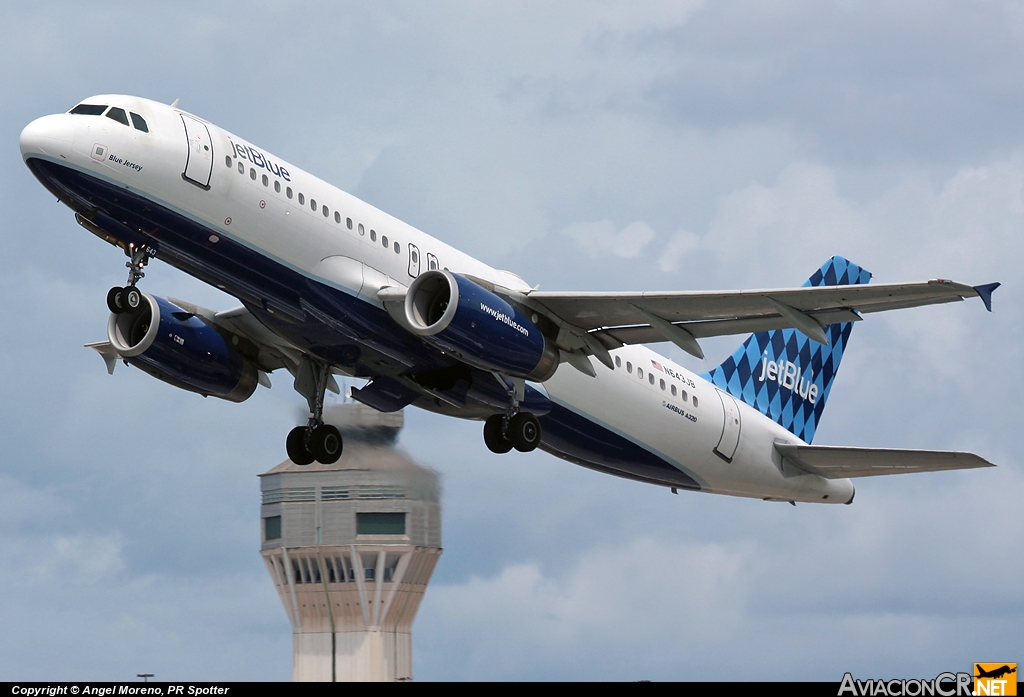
(332, 237)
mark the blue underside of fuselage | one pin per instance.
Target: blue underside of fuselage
(325, 321)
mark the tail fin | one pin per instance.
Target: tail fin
(783, 374)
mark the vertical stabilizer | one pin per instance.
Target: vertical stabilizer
(782, 373)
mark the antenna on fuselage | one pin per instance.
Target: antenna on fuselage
(174, 104)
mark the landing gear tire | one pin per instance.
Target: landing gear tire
(494, 439)
(114, 300)
(131, 299)
(524, 432)
(296, 446)
(326, 444)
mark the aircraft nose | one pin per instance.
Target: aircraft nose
(50, 135)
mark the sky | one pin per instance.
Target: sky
(585, 146)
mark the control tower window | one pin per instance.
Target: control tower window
(272, 528)
(139, 122)
(380, 523)
(89, 109)
(117, 114)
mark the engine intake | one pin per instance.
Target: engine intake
(181, 349)
(462, 318)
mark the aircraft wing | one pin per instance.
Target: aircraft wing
(683, 317)
(841, 463)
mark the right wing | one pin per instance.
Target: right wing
(683, 317)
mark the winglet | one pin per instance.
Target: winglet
(985, 293)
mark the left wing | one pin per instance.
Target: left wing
(834, 462)
(596, 322)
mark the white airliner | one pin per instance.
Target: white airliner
(330, 285)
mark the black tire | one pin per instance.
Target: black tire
(494, 439)
(326, 444)
(114, 300)
(524, 432)
(296, 446)
(131, 299)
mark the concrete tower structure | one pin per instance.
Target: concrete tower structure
(350, 547)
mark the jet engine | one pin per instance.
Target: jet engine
(464, 319)
(175, 346)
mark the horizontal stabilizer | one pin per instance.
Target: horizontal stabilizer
(834, 462)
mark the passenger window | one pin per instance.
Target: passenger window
(325, 211)
(640, 373)
(140, 123)
(694, 400)
(618, 362)
(117, 114)
(673, 390)
(384, 241)
(362, 230)
(266, 180)
(685, 396)
(312, 203)
(227, 161)
(241, 168)
(650, 378)
(348, 222)
(302, 199)
(661, 384)
(629, 367)
(277, 186)
(373, 235)
(252, 174)
(398, 248)
(337, 217)
(288, 191)
(89, 109)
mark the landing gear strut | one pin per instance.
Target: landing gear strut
(129, 298)
(316, 440)
(513, 429)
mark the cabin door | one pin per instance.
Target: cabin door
(199, 165)
(726, 447)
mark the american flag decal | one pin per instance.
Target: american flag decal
(657, 365)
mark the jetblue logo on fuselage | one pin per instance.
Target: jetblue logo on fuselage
(502, 317)
(247, 152)
(790, 376)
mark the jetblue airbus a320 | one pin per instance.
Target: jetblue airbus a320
(330, 285)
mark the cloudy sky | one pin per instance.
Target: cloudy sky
(584, 145)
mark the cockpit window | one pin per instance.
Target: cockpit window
(89, 109)
(117, 113)
(139, 122)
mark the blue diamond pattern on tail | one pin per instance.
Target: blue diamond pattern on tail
(785, 375)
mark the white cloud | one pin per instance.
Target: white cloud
(601, 237)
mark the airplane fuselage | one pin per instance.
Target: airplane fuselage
(308, 260)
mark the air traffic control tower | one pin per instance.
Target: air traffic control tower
(350, 547)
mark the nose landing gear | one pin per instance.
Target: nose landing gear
(129, 298)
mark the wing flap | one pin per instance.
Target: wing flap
(837, 462)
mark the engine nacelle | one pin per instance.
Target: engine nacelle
(464, 319)
(179, 348)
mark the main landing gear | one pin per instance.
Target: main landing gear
(514, 429)
(521, 432)
(129, 298)
(316, 440)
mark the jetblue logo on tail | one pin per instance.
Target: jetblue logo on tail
(782, 373)
(791, 377)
